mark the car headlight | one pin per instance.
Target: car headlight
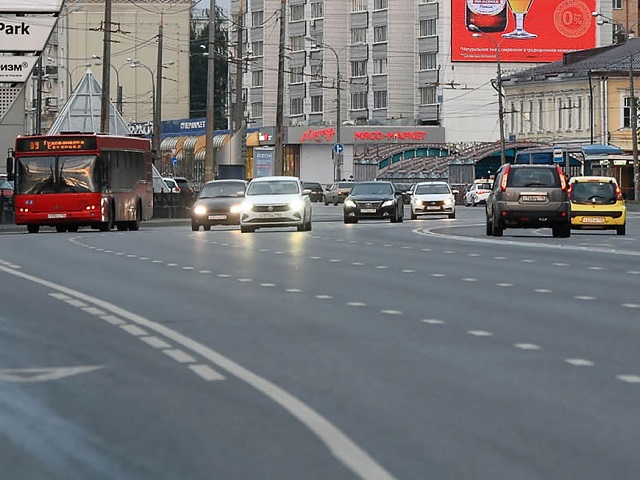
(388, 203)
(417, 201)
(246, 206)
(237, 208)
(297, 204)
(199, 210)
(349, 203)
(448, 201)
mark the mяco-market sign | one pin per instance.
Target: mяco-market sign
(365, 135)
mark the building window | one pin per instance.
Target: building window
(380, 4)
(257, 48)
(317, 10)
(297, 43)
(257, 19)
(256, 78)
(296, 75)
(359, 5)
(428, 61)
(521, 117)
(626, 112)
(380, 66)
(579, 113)
(296, 106)
(569, 108)
(540, 115)
(296, 12)
(428, 95)
(359, 101)
(359, 68)
(256, 110)
(316, 71)
(359, 35)
(512, 117)
(316, 104)
(428, 27)
(380, 34)
(617, 4)
(560, 113)
(380, 99)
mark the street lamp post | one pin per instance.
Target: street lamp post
(155, 140)
(337, 156)
(633, 116)
(480, 34)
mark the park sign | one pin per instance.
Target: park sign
(31, 6)
(25, 34)
(16, 69)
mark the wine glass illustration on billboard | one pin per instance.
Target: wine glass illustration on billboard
(519, 8)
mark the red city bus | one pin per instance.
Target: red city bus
(71, 180)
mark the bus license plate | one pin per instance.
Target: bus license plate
(57, 215)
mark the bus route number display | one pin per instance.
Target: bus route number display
(54, 144)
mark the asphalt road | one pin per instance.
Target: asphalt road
(421, 350)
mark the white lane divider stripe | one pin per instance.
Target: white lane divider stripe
(179, 356)
(206, 372)
(155, 342)
(579, 362)
(134, 330)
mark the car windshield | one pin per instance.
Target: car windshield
(312, 185)
(430, 189)
(345, 185)
(532, 177)
(593, 192)
(372, 189)
(483, 186)
(275, 187)
(223, 189)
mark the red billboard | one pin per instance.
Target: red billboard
(523, 30)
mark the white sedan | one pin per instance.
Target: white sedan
(275, 202)
(433, 198)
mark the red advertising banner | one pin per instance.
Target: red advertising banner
(523, 30)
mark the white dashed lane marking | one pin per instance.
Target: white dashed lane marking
(629, 378)
(480, 333)
(179, 355)
(579, 362)
(206, 372)
(433, 321)
(155, 342)
(527, 346)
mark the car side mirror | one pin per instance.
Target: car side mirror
(456, 192)
(306, 191)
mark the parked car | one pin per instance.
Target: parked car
(597, 203)
(529, 196)
(317, 192)
(218, 203)
(172, 184)
(184, 184)
(275, 202)
(433, 198)
(373, 200)
(337, 192)
(478, 193)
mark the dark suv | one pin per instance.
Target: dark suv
(317, 192)
(529, 196)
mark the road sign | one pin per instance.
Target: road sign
(174, 161)
(338, 148)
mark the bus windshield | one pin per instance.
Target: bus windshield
(57, 174)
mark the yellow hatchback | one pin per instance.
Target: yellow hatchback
(597, 203)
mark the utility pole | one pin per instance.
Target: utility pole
(278, 153)
(210, 167)
(39, 98)
(239, 110)
(106, 70)
(634, 127)
(157, 111)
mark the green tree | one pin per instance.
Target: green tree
(199, 67)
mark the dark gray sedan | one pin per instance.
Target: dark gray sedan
(218, 203)
(373, 201)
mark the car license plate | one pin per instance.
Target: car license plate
(368, 210)
(593, 220)
(534, 198)
(57, 215)
(217, 217)
(271, 215)
(433, 207)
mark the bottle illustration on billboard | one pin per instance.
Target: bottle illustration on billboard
(519, 8)
(487, 15)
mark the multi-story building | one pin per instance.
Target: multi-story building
(77, 44)
(419, 64)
